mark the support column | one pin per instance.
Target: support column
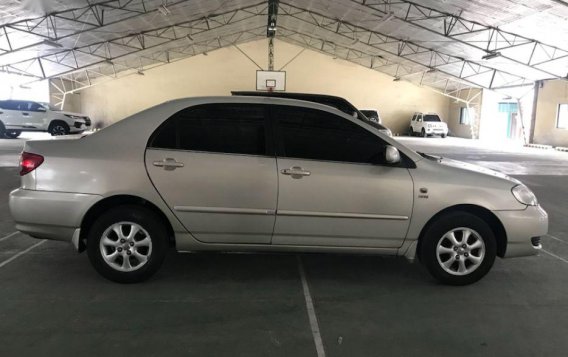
(537, 86)
(271, 53)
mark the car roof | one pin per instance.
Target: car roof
(325, 99)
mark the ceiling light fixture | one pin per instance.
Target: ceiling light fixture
(387, 17)
(491, 55)
(396, 79)
(51, 43)
(140, 72)
(431, 70)
(164, 10)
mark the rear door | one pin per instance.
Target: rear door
(335, 188)
(11, 116)
(214, 166)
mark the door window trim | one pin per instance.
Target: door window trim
(269, 146)
(405, 162)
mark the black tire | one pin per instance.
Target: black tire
(57, 128)
(153, 227)
(12, 134)
(423, 133)
(433, 238)
(2, 129)
(443, 136)
(410, 132)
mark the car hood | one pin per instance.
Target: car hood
(62, 112)
(476, 168)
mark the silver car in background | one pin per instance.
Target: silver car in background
(267, 174)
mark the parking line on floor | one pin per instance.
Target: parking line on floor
(8, 236)
(555, 256)
(311, 311)
(555, 238)
(11, 259)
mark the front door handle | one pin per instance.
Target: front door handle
(168, 164)
(25, 114)
(295, 172)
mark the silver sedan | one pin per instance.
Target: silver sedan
(267, 174)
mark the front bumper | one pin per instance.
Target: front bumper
(521, 227)
(436, 131)
(49, 215)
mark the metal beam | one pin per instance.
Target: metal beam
(492, 40)
(479, 75)
(375, 62)
(93, 76)
(67, 61)
(60, 25)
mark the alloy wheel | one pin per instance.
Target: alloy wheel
(125, 246)
(460, 251)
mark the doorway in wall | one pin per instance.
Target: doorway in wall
(509, 113)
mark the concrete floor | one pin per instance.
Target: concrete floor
(53, 303)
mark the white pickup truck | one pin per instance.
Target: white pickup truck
(427, 124)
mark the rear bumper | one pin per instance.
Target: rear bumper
(521, 227)
(49, 215)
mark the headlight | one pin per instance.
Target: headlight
(72, 116)
(389, 132)
(524, 195)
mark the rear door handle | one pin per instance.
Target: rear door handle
(25, 114)
(295, 172)
(168, 164)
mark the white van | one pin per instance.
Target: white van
(24, 115)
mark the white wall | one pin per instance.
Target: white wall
(227, 69)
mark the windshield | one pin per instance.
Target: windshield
(431, 117)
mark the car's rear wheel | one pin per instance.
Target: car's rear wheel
(423, 133)
(12, 134)
(2, 129)
(443, 136)
(57, 128)
(127, 244)
(459, 248)
(410, 132)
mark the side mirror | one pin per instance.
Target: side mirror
(392, 155)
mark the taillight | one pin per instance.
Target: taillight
(29, 162)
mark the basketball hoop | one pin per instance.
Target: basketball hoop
(271, 81)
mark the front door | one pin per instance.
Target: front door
(215, 168)
(335, 188)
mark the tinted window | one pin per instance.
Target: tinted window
(36, 107)
(431, 117)
(226, 128)
(9, 105)
(313, 134)
(371, 114)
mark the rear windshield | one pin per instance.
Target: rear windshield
(431, 117)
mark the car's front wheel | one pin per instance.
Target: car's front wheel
(58, 128)
(459, 248)
(423, 133)
(127, 244)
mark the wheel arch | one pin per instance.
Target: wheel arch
(55, 121)
(119, 200)
(483, 213)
